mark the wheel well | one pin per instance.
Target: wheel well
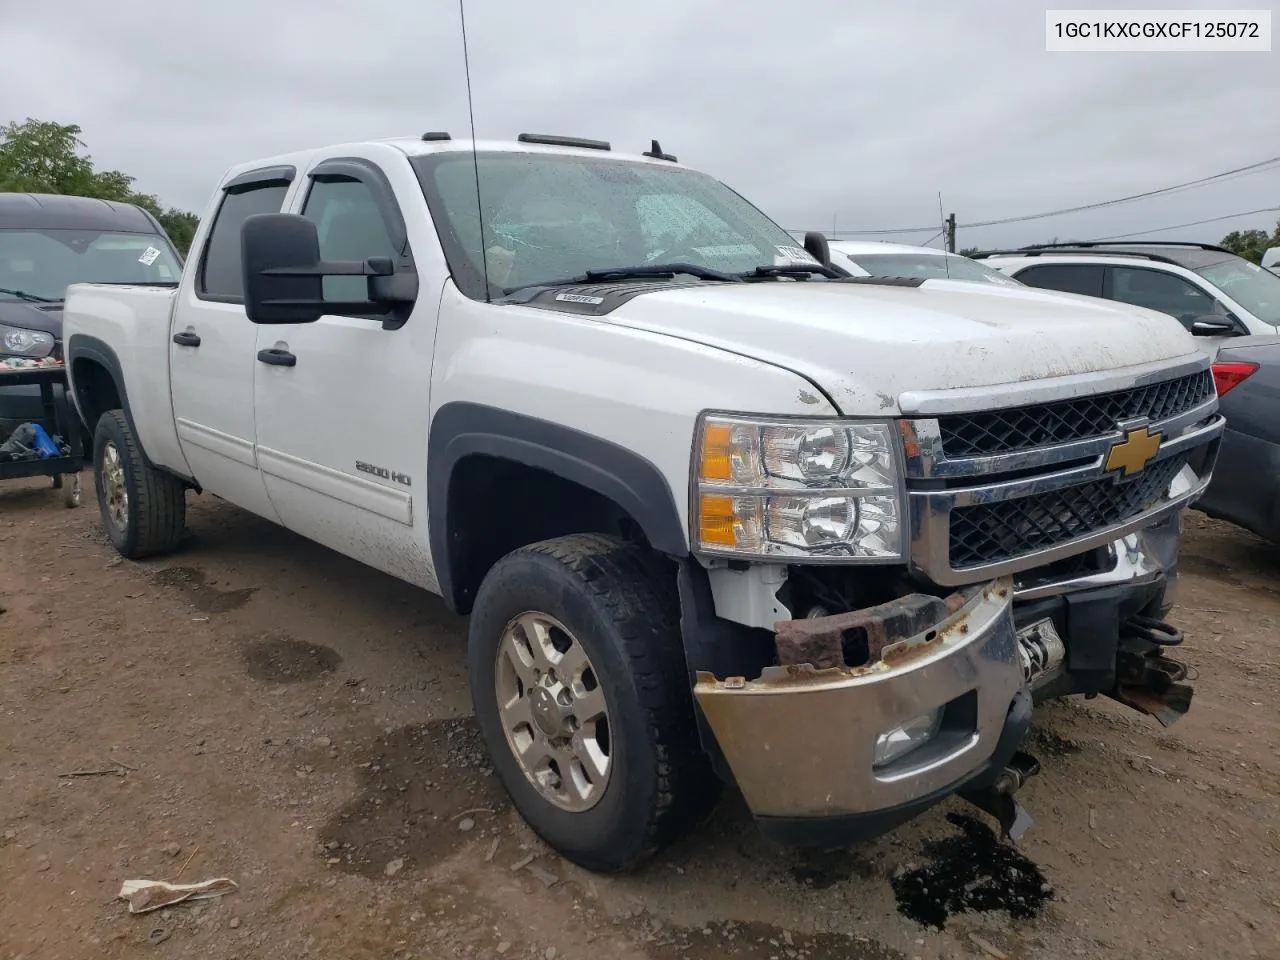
(497, 505)
(96, 391)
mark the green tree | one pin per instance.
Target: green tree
(1251, 244)
(41, 156)
(969, 251)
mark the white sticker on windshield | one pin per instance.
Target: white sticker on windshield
(148, 256)
(793, 255)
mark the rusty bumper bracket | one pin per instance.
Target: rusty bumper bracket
(859, 637)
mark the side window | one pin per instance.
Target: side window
(220, 276)
(1166, 292)
(1085, 278)
(351, 227)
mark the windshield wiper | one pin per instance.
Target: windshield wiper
(652, 271)
(794, 270)
(23, 295)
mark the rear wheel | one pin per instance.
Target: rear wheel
(143, 509)
(581, 692)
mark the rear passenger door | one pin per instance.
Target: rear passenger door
(212, 346)
(343, 404)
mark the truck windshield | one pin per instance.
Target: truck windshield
(548, 217)
(1255, 289)
(43, 263)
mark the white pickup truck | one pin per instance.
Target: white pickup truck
(717, 512)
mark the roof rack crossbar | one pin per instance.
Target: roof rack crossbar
(1134, 254)
(1086, 244)
(558, 141)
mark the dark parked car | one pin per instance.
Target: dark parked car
(1246, 481)
(48, 242)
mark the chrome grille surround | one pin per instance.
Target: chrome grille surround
(978, 517)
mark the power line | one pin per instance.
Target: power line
(1189, 184)
(1193, 223)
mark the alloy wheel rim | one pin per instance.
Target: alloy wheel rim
(113, 487)
(553, 712)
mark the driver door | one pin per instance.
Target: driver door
(342, 404)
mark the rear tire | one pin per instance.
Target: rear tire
(617, 603)
(143, 509)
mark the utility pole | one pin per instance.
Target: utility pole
(951, 233)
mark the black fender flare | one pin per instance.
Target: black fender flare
(461, 429)
(83, 347)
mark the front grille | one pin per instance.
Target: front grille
(1004, 529)
(1022, 428)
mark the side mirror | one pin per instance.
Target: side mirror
(1213, 325)
(817, 247)
(283, 272)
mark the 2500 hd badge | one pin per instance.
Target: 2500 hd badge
(384, 473)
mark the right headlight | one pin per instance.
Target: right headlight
(803, 489)
(18, 342)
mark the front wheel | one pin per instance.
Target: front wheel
(581, 693)
(143, 509)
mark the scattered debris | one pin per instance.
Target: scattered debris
(393, 867)
(144, 896)
(1178, 895)
(119, 770)
(466, 824)
(522, 863)
(1093, 819)
(158, 936)
(172, 849)
(544, 877)
(493, 850)
(989, 949)
(234, 923)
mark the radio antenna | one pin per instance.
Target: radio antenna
(946, 254)
(475, 159)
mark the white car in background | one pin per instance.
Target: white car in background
(1271, 260)
(873, 258)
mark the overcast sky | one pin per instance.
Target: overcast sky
(849, 112)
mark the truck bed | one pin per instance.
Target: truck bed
(130, 325)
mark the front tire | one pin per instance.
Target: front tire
(581, 692)
(143, 509)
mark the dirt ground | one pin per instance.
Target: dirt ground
(270, 712)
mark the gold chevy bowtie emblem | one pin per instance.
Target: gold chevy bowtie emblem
(1132, 454)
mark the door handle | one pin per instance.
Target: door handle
(187, 338)
(277, 357)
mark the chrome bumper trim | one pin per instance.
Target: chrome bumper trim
(800, 742)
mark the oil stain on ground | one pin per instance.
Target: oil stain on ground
(970, 871)
(427, 790)
(757, 941)
(277, 658)
(200, 591)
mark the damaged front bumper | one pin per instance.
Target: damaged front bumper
(802, 739)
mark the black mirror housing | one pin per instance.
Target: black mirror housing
(283, 272)
(816, 245)
(1212, 326)
(270, 242)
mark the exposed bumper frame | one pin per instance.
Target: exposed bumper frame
(788, 767)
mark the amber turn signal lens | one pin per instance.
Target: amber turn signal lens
(717, 520)
(717, 460)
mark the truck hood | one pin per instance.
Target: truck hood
(865, 344)
(32, 316)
